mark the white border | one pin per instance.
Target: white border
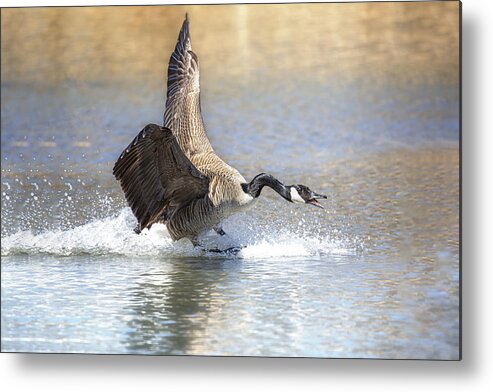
(93, 373)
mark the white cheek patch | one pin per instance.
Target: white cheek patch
(295, 196)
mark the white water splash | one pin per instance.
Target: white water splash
(114, 236)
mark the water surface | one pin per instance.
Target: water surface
(358, 101)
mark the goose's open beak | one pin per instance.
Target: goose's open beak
(313, 200)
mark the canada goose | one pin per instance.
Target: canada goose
(172, 175)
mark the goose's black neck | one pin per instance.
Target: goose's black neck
(254, 187)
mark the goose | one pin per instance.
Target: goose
(170, 174)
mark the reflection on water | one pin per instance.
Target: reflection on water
(175, 307)
(358, 101)
(340, 305)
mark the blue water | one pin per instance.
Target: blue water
(374, 275)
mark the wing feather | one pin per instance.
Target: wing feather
(156, 176)
(182, 113)
(183, 75)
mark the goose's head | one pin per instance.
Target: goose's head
(302, 194)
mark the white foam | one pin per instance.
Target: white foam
(114, 236)
(288, 245)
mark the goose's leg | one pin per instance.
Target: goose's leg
(137, 229)
(219, 230)
(233, 250)
(196, 243)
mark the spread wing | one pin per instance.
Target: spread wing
(156, 176)
(182, 114)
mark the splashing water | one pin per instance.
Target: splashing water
(114, 236)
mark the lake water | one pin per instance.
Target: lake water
(357, 101)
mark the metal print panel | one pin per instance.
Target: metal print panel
(273, 180)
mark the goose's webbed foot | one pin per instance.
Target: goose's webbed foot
(234, 250)
(219, 230)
